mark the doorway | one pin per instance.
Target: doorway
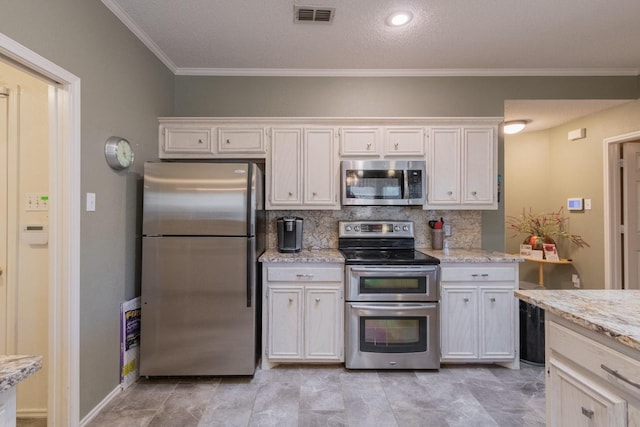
(622, 211)
(64, 232)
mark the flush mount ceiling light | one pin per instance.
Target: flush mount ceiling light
(514, 126)
(399, 19)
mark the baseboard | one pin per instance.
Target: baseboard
(31, 413)
(92, 414)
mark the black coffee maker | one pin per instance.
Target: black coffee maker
(289, 234)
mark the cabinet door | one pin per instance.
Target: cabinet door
(320, 160)
(360, 141)
(180, 141)
(241, 140)
(459, 326)
(575, 399)
(480, 178)
(286, 164)
(497, 322)
(285, 322)
(323, 323)
(444, 166)
(401, 141)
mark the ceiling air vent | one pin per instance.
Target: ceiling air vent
(312, 14)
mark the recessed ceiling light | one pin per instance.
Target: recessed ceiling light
(398, 19)
(514, 126)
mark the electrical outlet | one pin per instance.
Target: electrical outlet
(447, 230)
(575, 279)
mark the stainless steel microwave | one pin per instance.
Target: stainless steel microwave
(383, 182)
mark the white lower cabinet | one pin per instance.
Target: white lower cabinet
(478, 321)
(589, 383)
(303, 312)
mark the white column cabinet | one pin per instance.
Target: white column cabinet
(478, 313)
(303, 169)
(303, 315)
(462, 167)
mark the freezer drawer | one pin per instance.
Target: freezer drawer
(198, 306)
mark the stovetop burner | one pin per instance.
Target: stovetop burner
(381, 243)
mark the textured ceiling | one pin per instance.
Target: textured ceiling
(454, 37)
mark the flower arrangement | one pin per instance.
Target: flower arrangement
(546, 226)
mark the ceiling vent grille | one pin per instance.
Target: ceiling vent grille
(310, 14)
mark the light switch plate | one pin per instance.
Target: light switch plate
(91, 202)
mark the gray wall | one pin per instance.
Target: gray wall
(124, 88)
(545, 169)
(394, 97)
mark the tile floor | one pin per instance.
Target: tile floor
(457, 395)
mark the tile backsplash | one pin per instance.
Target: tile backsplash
(321, 227)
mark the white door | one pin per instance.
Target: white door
(323, 311)
(631, 214)
(459, 322)
(319, 161)
(444, 166)
(4, 142)
(286, 158)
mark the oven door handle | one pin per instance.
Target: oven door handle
(404, 306)
(373, 270)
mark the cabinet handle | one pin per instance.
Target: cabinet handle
(290, 299)
(492, 300)
(290, 194)
(317, 299)
(314, 194)
(228, 142)
(473, 193)
(474, 275)
(449, 193)
(587, 412)
(304, 275)
(617, 375)
(368, 146)
(466, 300)
(200, 141)
(484, 275)
(395, 146)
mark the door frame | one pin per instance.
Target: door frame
(64, 233)
(612, 208)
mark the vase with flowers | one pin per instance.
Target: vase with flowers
(543, 228)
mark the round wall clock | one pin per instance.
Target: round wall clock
(118, 153)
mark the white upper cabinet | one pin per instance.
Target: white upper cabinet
(360, 141)
(303, 169)
(379, 141)
(404, 141)
(209, 138)
(462, 168)
(241, 140)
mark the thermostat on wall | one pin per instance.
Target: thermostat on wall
(575, 204)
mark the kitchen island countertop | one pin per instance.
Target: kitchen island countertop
(613, 313)
(306, 255)
(14, 369)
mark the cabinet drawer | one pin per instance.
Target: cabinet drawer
(249, 140)
(606, 363)
(479, 274)
(298, 274)
(180, 141)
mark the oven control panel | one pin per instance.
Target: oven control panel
(375, 229)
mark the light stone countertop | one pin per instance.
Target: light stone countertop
(334, 255)
(14, 369)
(306, 255)
(614, 313)
(471, 255)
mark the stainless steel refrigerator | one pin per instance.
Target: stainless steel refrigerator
(203, 231)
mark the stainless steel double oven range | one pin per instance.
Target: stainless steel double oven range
(392, 308)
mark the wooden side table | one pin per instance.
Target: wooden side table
(541, 263)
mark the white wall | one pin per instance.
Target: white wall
(31, 286)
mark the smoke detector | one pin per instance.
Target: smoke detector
(311, 14)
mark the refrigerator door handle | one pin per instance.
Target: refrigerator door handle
(251, 269)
